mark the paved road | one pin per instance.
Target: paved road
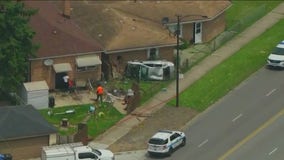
(236, 116)
(267, 144)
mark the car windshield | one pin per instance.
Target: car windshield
(278, 51)
(97, 152)
(158, 141)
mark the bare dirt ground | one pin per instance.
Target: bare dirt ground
(171, 118)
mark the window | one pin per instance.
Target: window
(153, 54)
(158, 141)
(197, 27)
(88, 68)
(87, 155)
(87, 63)
(174, 136)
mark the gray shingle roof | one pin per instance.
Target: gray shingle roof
(21, 122)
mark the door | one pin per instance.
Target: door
(59, 81)
(197, 32)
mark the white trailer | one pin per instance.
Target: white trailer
(75, 151)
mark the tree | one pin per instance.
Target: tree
(16, 46)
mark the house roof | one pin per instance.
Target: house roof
(136, 24)
(57, 35)
(22, 122)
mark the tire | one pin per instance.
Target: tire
(150, 154)
(183, 143)
(170, 152)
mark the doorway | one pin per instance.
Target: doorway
(59, 81)
(197, 32)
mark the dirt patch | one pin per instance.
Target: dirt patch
(171, 118)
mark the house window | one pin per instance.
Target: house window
(153, 53)
(87, 63)
(86, 68)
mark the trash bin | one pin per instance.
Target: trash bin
(51, 102)
(64, 122)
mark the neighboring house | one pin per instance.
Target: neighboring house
(23, 131)
(64, 49)
(135, 30)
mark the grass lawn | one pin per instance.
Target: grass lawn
(226, 76)
(240, 9)
(147, 88)
(96, 125)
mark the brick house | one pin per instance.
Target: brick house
(64, 48)
(24, 131)
(133, 30)
(115, 32)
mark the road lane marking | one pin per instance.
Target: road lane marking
(201, 144)
(269, 93)
(274, 150)
(250, 136)
(239, 116)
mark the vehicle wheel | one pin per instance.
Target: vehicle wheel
(170, 152)
(150, 154)
(183, 142)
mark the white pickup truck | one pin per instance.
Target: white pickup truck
(75, 151)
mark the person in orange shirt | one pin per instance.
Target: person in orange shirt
(100, 92)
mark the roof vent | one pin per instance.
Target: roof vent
(54, 31)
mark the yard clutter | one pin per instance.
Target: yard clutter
(74, 151)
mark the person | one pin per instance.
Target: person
(100, 92)
(70, 85)
(127, 97)
(65, 79)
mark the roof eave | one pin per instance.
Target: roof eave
(138, 48)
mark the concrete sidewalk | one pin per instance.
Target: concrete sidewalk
(158, 101)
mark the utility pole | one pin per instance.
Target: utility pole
(177, 61)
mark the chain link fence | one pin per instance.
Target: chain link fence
(237, 28)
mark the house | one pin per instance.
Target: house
(144, 30)
(24, 131)
(96, 39)
(65, 51)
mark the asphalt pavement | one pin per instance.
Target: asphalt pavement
(158, 101)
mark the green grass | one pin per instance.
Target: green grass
(111, 116)
(224, 77)
(240, 9)
(147, 88)
(98, 125)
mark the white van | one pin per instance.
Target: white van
(276, 57)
